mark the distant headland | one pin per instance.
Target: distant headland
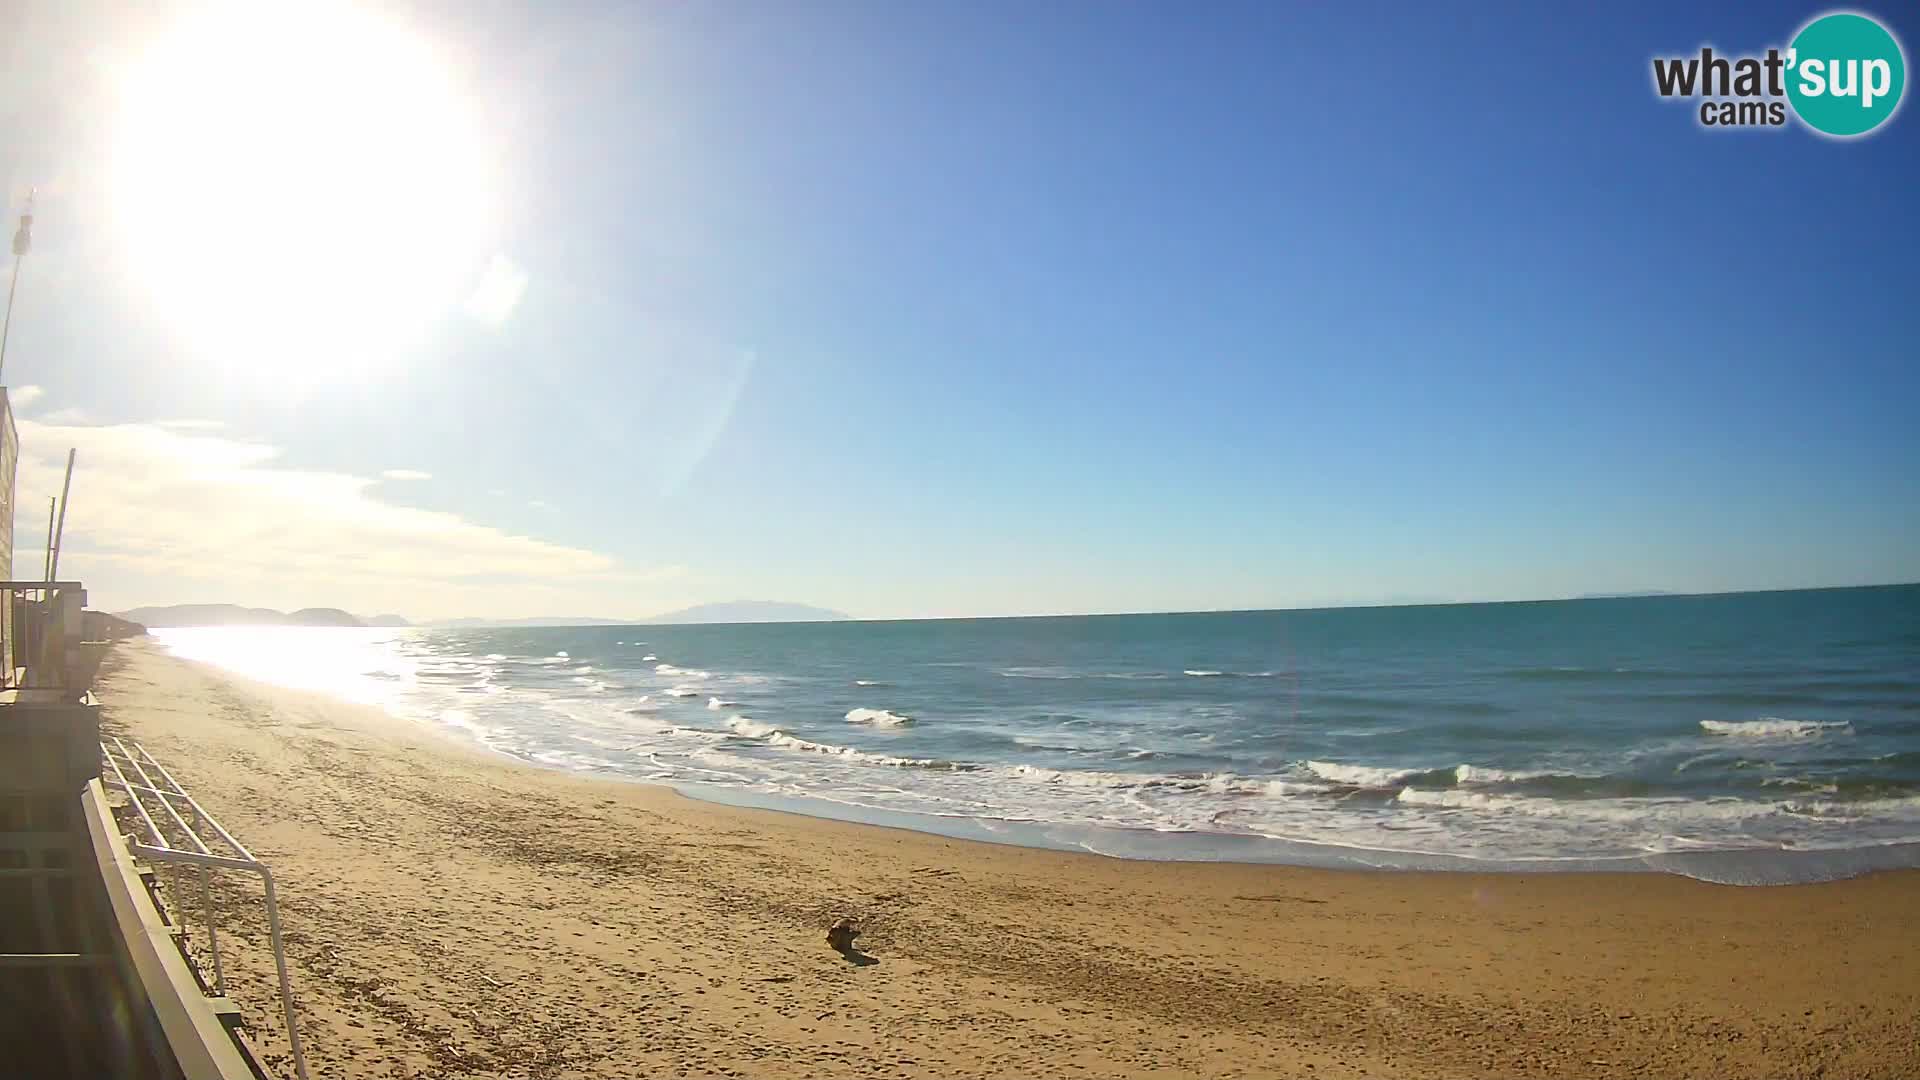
(744, 611)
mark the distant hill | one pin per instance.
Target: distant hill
(323, 616)
(235, 615)
(750, 611)
(742, 611)
(100, 626)
(538, 620)
(1636, 595)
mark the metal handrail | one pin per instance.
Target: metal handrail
(117, 759)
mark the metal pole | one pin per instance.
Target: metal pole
(22, 240)
(213, 935)
(53, 567)
(7, 326)
(46, 560)
(280, 964)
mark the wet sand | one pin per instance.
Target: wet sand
(454, 913)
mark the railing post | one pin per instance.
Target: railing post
(213, 935)
(286, 984)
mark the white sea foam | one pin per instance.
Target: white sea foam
(868, 682)
(1361, 776)
(683, 691)
(1774, 727)
(691, 673)
(648, 657)
(462, 719)
(1039, 673)
(1201, 674)
(773, 736)
(751, 728)
(717, 703)
(877, 717)
(1485, 774)
(1460, 800)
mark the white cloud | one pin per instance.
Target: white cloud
(22, 396)
(192, 425)
(161, 515)
(498, 292)
(405, 474)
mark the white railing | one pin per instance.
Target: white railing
(152, 790)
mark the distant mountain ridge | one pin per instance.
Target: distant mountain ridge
(537, 620)
(739, 611)
(751, 611)
(235, 615)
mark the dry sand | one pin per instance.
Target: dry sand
(454, 913)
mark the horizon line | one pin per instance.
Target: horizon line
(1649, 594)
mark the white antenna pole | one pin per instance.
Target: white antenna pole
(46, 561)
(22, 241)
(53, 567)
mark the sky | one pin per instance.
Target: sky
(946, 309)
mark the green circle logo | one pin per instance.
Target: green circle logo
(1845, 74)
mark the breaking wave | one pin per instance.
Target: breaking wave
(1773, 727)
(878, 717)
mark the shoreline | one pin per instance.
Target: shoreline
(1744, 867)
(433, 892)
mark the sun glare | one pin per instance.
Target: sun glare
(302, 190)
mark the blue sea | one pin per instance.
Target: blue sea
(1755, 738)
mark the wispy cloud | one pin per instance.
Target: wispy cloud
(405, 474)
(167, 515)
(192, 425)
(22, 396)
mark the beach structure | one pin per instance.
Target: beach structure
(100, 975)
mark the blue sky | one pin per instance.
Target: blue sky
(991, 308)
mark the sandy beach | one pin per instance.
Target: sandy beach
(454, 913)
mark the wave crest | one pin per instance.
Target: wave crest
(878, 717)
(1365, 776)
(1773, 727)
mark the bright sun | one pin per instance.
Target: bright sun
(301, 187)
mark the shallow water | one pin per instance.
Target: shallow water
(1753, 737)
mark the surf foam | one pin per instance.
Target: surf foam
(1774, 727)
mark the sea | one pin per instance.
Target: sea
(1751, 738)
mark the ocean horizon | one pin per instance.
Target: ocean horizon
(1746, 737)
